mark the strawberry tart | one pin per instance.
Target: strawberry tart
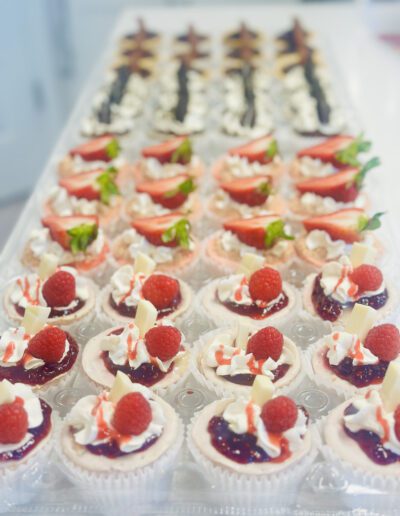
(168, 159)
(328, 157)
(331, 294)
(356, 358)
(229, 360)
(256, 295)
(119, 446)
(257, 158)
(129, 284)
(322, 195)
(148, 351)
(165, 238)
(267, 236)
(70, 296)
(164, 196)
(77, 241)
(330, 236)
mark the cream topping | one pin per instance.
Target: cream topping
(137, 243)
(230, 242)
(316, 204)
(80, 165)
(241, 167)
(143, 204)
(317, 239)
(341, 344)
(311, 167)
(65, 205)
(126, 285)
(224, 202)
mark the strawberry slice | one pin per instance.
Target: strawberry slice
(262, 150)
(104, 148)
(252, 191)
(339, 150)
(171, 230)
(176, 150)
(93, 185)
(347, 224)
(170, 193)
(259, 232)
(73, 233)
(344, 186)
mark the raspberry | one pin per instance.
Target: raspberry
(366, 277)
(59, 289)
(162, 291)
(13, 422)
(163, 342)
(266, 343)
(384, 342)
(132, 414)
(397, 422)
(265, 284)
(48, 344)
(279, 414)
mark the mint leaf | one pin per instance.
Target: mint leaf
(272, 150)
(183, 154)
(265, 188)
(107, 185)
(186, 187)
(369, 224)
(360, 176)
(179, 232)
(348, 155)
(274, 232)
(82, 236)
(113, 148)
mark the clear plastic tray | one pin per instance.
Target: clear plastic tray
(188, 492)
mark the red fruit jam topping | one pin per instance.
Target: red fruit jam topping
(358, 375)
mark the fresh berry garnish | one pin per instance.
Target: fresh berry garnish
(259, 232)
(252, 191)
(367, 277)
(104, 148)
(266, 343)
(13, 422)
(346, 225)
(265, 284)
(132, 415)
(343, 186)
(176, 150)
(384, 342)
(73, 233)
(161, 290)
(163, 342)
(59, 290)
(262, 150)
(48, 344)
(171, 192)
(93, 185)
(171, 230)
(279, 414)
(338, 150)
(397, 422)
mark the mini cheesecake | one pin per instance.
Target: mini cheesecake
(255, 296)
(150, 353)
(331, 294)
(229, 360)
(168, 159)
(267, 236)
(77, 242)
(166, 239)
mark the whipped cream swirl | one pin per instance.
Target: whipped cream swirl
(316, 204)
(312, 167)
(153, 169)
(235, 289)
(240, 167)
(317, 239)
(341, 344)
(230, 242)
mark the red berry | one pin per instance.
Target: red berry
(279, 414)
(13, 422)
(266, 343)
(397, 422)
(163, 342)
(366, 277)
(59, 289)
(161, 290)
(384, 342)
(265, 284)
(48, 344)
(132, 414)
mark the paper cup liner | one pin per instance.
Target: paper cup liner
(364, 490)
(118, 492)
(228, 389)
(21, 482)
(279, 489)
